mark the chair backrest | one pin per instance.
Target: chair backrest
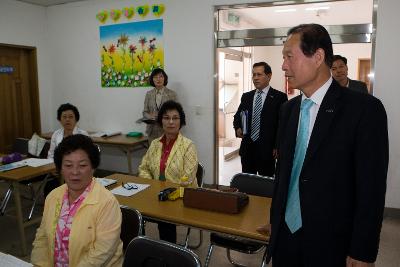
(21, 145)
(132, 225)
(146, 252)
(200, 174)
(253, 184)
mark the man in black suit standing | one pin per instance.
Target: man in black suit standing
(256, 122)
(330, 184)
(340, 74)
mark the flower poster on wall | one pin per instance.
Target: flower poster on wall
(129, 52)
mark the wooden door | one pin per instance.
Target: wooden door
(364, 68)
(19, 98)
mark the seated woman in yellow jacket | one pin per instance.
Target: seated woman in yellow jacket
(170, 157)
(81, 222)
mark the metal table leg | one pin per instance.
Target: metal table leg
(20, 219)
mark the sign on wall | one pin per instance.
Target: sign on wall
(6, 69)
(129, 52)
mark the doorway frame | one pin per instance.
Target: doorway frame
(270, 4)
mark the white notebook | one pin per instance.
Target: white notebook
(135, 188)
(105, 181)
(11, 261)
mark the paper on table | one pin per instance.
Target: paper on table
(34, 162)
(9, 260)
(11, 166)
(105, 181)
(129, 192)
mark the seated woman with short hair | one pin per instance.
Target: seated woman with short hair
(81, 221)
(170, 157)
(68, 116)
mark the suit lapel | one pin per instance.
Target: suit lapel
(250, 110)
(165, 95)
(329, 108)
(268, 100)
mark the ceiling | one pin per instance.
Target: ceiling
(325, 13)
(48, 2)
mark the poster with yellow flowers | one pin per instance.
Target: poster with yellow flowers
(129, 52)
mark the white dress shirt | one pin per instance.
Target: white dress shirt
(316, 98)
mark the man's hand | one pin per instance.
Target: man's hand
(350, 262)
(264, 229)
(239, 133)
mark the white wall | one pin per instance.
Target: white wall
(386, 88)
(25, 25)
(188, 43)
(353, 52)
(73, 46)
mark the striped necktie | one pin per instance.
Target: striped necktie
(256, 118)
(293, 211)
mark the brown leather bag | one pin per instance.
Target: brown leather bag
(214, 200)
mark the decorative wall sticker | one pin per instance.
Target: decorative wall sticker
(129, 52)
(102, 16)
(142, 10)
(158, 10)
(128, 12)
(115, 14)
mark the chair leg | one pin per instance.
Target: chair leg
(200, 241)
(210, 250)
(263, 263)
(5, 200)
(187, 238)
(186, 244)
(36, 196)
(228, 255)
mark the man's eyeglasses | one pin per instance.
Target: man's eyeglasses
(165, 118)
(129, 186)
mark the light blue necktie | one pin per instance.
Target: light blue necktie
(256, 118)
(293, 212)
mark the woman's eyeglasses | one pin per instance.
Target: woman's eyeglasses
(129, 186)
(174, 119)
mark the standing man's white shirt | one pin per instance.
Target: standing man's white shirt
(316, 98)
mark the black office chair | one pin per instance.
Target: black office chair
(250, 184)
(199, 175)
(21, 146)
(146, 252)
(132, 225)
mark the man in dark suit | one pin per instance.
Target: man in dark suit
(340, 72)
(259, 111)
(330, 184)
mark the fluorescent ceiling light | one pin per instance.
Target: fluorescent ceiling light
(285, 10)
(317, 8)
(283, 3)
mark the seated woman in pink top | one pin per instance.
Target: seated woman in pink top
(81, 222)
